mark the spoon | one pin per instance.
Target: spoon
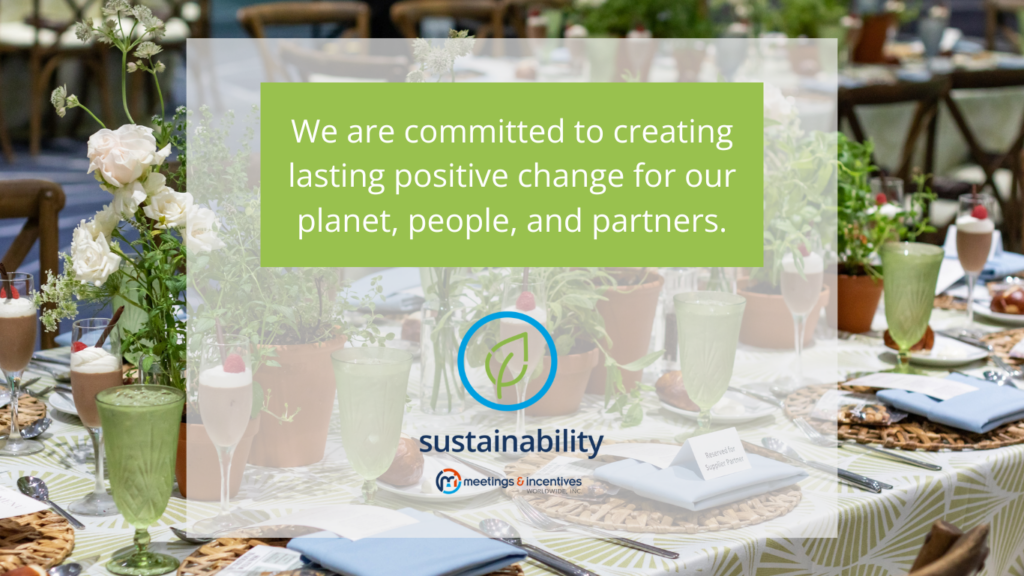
(501, 530)
(190, 538)
(35, 488)
(786, 450)
(36, 428)
(72, 569)
(58, 375)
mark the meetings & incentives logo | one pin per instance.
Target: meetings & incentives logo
(498, 380)
(448, 481)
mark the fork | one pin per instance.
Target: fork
(542, 521)
(821, 440)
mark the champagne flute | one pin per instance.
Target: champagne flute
(18, 331)
(525, 295)
(911, 272)
(93, 370)
(372, 384)
(803, 272)
(225, 405)
(709, 332)
(974, 228)
(141, 427)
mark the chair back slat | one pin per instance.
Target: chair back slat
(965, 557)
(257, 17)
(40, 201)
(308, 62)
(407, 14)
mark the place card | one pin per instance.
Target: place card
(354, 522)
(716, 454)
(13, 504)
(660, 455)
(938, 388)
(264, 560)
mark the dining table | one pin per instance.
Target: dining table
(857, 531)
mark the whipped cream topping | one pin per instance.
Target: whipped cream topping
(93, 360)
(813, 264)
(971, 224)
(216, 377)
(17, 307)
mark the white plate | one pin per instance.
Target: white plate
(999, 317)
(432, 465)
(948, 352)
(733, 408)
(58, 403)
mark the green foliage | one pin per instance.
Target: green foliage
(572, 317)
(664, 18)
(808, 18)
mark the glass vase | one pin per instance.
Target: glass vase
(441, 390)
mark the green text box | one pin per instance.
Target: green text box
(662, 227)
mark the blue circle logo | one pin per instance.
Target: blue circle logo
(551, 372)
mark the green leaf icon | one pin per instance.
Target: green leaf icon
(498, 383)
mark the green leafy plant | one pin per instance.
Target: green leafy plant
(664, 18)
(808, 18)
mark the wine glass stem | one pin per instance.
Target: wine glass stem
(14, 378)
(704, 421)
(904, 359)
(224, 454)
(96, 434)
(799, 326)
(141, 540)
(971, 280)
(369, 490)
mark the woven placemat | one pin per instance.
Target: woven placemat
(29, 410)
(1003, 341)
(912, 433)
(217, 555)
(41, 538)
(634, 513)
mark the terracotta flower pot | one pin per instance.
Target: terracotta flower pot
(194, 444)
(689, 60)
(305, 382)
(567, 389)
(628, 316)
(767, 322)
(871, 42)
(857, 302)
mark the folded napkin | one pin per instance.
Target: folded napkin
(1003, 265)
(399, 290)
(431, 547)
(681, 484)
(987, 408)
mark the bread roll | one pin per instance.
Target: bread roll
(407, 467)
(1009, 301)
(671, 390)
(926, 342)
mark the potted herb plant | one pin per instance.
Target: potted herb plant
(867, 220)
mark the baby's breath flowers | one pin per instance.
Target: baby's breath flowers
(437, 60)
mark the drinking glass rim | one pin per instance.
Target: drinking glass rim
(228, 340)
(932, 249)
(727, 299)
(400, 356)
(82, 323)
(985, 196)
(181, 395)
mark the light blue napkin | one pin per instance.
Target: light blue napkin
(431, 547)
(987, 408)
(682, 485)
(1003, 265)
(394, 281)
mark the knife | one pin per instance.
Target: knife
(864, 482)
(43, 358)
(966, 339)
(758, 396)
(557, 563)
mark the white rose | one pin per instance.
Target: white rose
(122, 155)
(104, 222)
(127, 198)
(201, 230)
(777, 106)
(169, 208)
(91, 257)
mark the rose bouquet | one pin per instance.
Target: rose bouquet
(133, 251)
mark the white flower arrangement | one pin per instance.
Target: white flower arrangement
(438, 60)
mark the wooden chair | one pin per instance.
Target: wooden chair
(5, 138)
(307, 62)
(927, 95)
(40, 201)
(993, 10)
(515, 11)
(407, 14)
(947, 551)
(256, 17)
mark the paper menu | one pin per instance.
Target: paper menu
(938, 388)
(351, 521)
(264, 559)
(13, 503)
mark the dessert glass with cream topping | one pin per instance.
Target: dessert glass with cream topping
(93, 370)
(521, 360)
(225, 405)
(803, 271)
(974, 228)
(17, 340)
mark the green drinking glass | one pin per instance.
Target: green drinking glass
(708, 325)
(140, 425)
(911, 271)
(372, 384)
